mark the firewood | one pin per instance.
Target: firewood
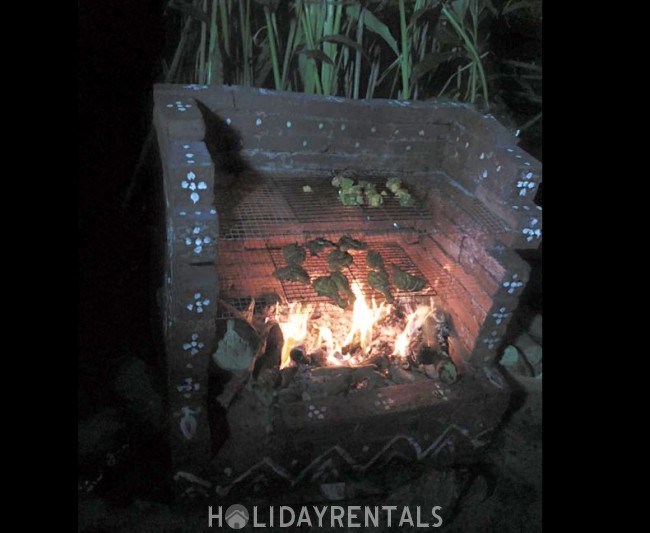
(232, 388)
(269, 357)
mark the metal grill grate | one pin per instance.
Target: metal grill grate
(489, 223)
(279, 206)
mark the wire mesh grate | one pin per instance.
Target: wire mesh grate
(279, 206)
(315, 266)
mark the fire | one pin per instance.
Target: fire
(364, 318)
(333, 330)
(413, 322)
(294, 329)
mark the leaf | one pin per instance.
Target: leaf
(294, 254)
(344, 40)
(317, 54)
(422, 11)
(375, 25)
(430, 62)
(490, 6)
(446, 35)
(190, 10)
(459, 8)
(514, 6)
(405, 281)
(272, 5)
(353, 11)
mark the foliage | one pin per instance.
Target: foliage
(375, 48)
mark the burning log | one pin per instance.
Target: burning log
(318, 357)
(298, 355)
(399, 375)
(270, 357)
(333, 380)
(353, 346)
(287, 375)
(436, 364)
(381, 362)
(232, 388)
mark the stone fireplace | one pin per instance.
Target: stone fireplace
(254, 176)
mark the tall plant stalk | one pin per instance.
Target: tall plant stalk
(405, 49)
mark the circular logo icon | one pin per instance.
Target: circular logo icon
(236, 516)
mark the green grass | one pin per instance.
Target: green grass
(403, 49)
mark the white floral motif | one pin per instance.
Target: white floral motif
(513, 285)
(492, 340)
(317, 413)
(532, 232)
(180, 106)
(500, 315)
(194, 238)
(525, 183)
(387, 403)
(191, 185)
(189, 386)
(198, 303)
(194, 346)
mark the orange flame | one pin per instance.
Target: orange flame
(364, 318)
(294, 329)
(297, 330)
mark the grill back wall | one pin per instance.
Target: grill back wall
(474, 190)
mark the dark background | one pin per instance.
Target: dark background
(120, 44)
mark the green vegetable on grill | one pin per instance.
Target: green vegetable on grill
(294, 254)
(352, 195)
(405, 281)
(291, 272)
(404, 197)
(378, 280)
(374, 199)
(342, 182)
(394, 184)
(348, 243)
(326, 286)
(374, 260)
(343, 285)
(337, 259)
(316, 246)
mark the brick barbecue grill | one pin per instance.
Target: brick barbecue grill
(473, 191)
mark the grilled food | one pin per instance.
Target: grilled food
(405, 281)
(338, 259)
(348, 243)
(379, 281)
(292, 272)
(294, 254)
(326, 286)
